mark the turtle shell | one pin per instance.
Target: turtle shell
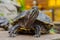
(41, 17)
(21, 15)
(44, 18)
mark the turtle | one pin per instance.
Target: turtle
(32, 21)
(4, 23)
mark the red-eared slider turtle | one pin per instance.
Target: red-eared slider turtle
(31, 20)
(4, 23)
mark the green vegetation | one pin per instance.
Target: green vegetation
(1, 14)
(22, 2)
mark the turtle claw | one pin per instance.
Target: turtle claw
(37, 36)
(12, 35)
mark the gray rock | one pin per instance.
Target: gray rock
(9, 10)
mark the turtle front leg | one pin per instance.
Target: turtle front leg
(12, 30)
(37, 31)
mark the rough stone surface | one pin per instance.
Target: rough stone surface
(9, 10)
